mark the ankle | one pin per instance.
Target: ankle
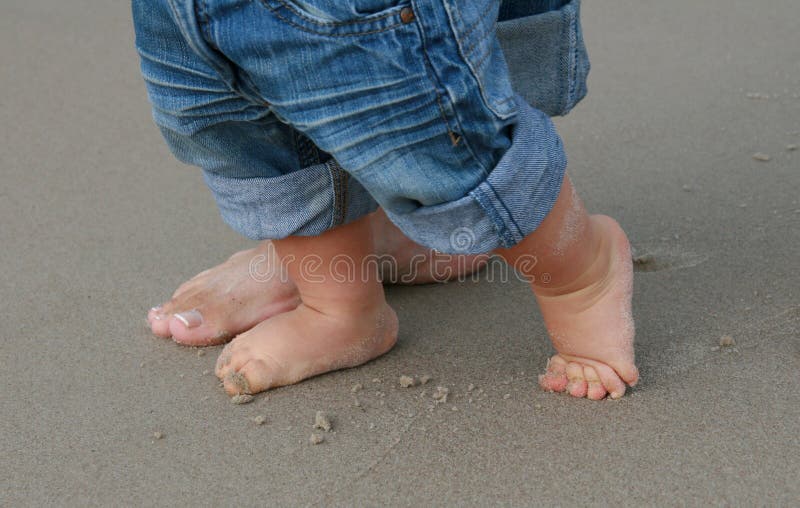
(587, 271)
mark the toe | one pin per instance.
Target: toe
(255, 376)
(629, 373)
(595, 389)
(192, 329)
(611, 381)
(159, 322)
(235, 383)
(224, 359)
(555, 378)
(577, 386)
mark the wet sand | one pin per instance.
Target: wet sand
(100, 223)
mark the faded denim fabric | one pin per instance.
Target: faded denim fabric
(307, 114)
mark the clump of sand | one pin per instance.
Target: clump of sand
(357, 387)
(322, 422)
(407, 381)
(423, 380)
(158, 435)
(260, 420)
(316, 439)
(761, 157)
(441, 394)
(242, 398)
(726, 341)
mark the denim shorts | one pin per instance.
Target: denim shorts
(308, 114)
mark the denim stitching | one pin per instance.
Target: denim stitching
(434, 78)
(499, 225)
(516, 234)
(339, 193)
(483, 58)
(332, 23)
(299, 27)
(479, 21)
(204, 22)
(485, 35)
(465, 54)
(573, 60)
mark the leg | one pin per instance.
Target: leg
(582, 278)
(342, 321)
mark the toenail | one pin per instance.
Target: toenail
(191, 319)
(615, 395)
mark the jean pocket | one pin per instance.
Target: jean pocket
(473, 23)
(338, 18)
(545, 53)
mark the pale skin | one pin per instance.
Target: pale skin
(307, 322)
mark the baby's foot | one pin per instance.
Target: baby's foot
(590, 322)
(302, 343)
(219, 303)
(224, 301)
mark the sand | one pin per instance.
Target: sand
(100, 223)
(242, 398)
(322, 422)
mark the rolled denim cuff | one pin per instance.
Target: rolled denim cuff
(508, 205)
(307, 202)
(542, 41)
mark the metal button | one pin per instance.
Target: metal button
(407, 15)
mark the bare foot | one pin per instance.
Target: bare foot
(224, 301)
(217, 304)
(341, 322)
(303, 343)
(590, 322)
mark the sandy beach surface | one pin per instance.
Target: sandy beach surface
(99, 223)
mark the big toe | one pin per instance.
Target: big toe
(191, 328)
(254, 376)
(555, 378)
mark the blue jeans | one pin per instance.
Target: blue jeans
(308, 114)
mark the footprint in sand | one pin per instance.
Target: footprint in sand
(657, 259)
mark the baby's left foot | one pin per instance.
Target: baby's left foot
(590, 323)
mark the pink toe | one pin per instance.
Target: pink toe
(595, 391)
(555, 379)
(159, 322)
(553, 382)
(578, 388)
